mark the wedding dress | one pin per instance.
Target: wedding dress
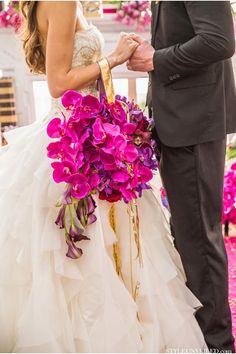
(51, 303)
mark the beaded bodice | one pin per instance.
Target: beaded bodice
(88, 46)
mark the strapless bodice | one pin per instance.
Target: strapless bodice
(88, 47)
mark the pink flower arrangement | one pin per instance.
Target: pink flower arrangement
(229, 208)
(164, 198)
(10, 17)
(132, 12)
(98, 151)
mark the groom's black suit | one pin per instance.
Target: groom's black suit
(194, 107)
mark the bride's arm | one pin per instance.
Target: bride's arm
(62, 17)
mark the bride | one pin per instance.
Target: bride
(49, 302)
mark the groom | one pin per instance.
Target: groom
(193, 100)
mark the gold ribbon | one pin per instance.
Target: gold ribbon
(116, 250)
(107, 80)
(133, 214)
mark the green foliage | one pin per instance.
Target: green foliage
(117, 3)
(231, 151)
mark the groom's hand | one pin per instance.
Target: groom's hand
(142, 59)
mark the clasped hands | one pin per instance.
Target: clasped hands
(135, 51)
(142, 58)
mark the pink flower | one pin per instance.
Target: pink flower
(120, 176)
(128, 194)
(98, 132)
(130, 153)
(89, 108)
(94, 181)
(70, 99)
(135, 12)
(63, 171)
(61, 149)
(111, 129)
(144, 174)
(80, 186)
(108, 159)
(56, 128)
(10, 17)
(119, 151)
(117, 112)
(128, 128)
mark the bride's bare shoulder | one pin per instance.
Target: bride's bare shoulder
(60, 13)
(60, 9)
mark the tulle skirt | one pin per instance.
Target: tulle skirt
(50, 303)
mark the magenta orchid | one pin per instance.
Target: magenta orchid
(102, 149)
(229, 206)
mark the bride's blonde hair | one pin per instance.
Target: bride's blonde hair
(30, 35)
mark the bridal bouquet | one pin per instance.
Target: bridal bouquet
(105, 149)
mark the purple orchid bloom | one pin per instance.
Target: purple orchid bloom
(164, 198)
(76, 234)
(73, 251)
(60, 218)
(146, 156)
(85, 211)
(90, 206)
(66, 197)
(141, 187)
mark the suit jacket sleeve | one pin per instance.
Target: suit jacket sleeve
(213, 41)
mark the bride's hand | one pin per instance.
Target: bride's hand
(125, 48)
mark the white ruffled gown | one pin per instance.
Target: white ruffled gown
(51, 303)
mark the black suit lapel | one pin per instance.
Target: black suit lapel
(155, 6)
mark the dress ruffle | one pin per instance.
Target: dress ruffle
(50, 303)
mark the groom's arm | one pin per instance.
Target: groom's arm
(213, 41)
